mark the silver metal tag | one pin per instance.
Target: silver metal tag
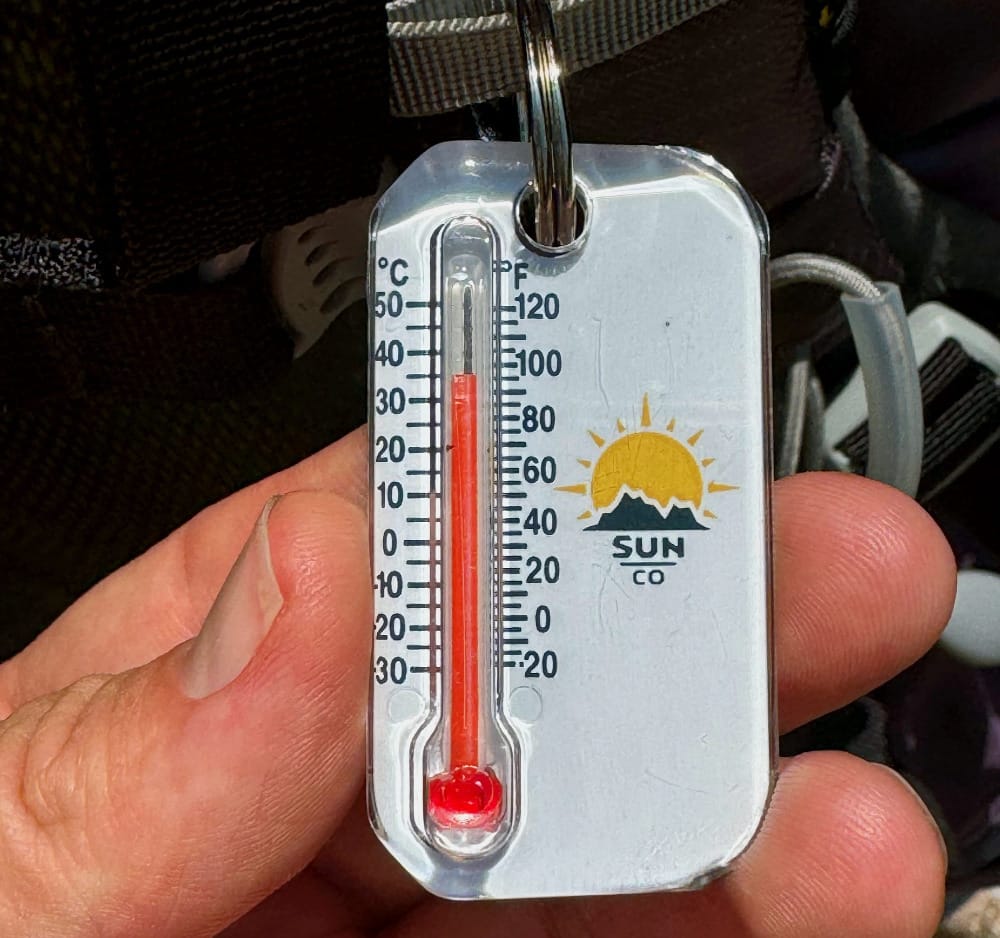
(570, 462)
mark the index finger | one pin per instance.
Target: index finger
(864, 584)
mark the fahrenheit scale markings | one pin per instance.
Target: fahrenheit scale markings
(529, 364)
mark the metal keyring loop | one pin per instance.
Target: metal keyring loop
(547, 125)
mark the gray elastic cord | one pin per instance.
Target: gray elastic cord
(882, 338)
(446, 54)
(794, 422)
(813, 442)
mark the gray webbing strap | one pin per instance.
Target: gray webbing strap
(449, 53)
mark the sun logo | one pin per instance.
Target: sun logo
(647, 480)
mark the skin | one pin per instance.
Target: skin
(128, 809)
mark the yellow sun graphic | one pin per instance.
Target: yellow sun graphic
(650, 462)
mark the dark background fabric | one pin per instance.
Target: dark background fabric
(161, 133)
(927, 86)
(183, 340)
(90, 483)
(49, 180)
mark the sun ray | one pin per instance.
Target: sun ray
(585, 516)
(710, 514)
(671, 425)
(586, 463)
(721, 487)
(694, 439)
(621, 425)
(709, 461)
(597, 439)
(579, 489)
(645, 422)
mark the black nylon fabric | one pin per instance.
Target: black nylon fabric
(187, 127)
(279, 109)
(187, 342)
(49, 178)
(734, 82)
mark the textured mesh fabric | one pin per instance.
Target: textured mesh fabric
(49, 181)
(172, 130)
(89, 483)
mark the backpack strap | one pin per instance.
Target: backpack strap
(449, 53)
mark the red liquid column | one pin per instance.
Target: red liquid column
(467, 796)
(464, 562)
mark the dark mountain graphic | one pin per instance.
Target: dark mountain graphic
(635, 514)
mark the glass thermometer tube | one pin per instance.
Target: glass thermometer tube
(466, 802)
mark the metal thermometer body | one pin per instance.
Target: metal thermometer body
(571, 672)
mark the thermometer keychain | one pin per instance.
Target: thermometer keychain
(571, 685)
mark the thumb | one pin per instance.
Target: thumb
(170, 799)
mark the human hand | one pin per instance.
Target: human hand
(154, 783)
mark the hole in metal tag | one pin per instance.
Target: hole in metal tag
(525, 213)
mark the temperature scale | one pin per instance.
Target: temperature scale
(571, 673)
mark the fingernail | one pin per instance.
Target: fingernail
(239, 619)
(923, 804)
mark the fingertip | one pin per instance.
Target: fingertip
(346, 461)
(847, 849)
(283, 743)
(865, 582)
(926, 836)
(890, 850)
(319, 542)
(300, 694)
(319, 644)
(914, 532)
(885, 524)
